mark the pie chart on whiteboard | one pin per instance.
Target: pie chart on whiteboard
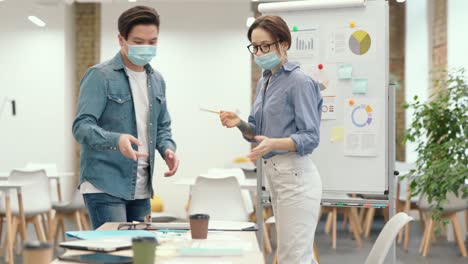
(360, 42)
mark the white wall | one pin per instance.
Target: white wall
(457, 39)
(416, 60)
(203, 57)
(32, 71)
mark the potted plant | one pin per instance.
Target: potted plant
(439, 129)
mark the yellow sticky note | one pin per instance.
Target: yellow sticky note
(337, 134)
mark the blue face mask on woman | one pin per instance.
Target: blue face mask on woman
(141, 54)
(268, 61)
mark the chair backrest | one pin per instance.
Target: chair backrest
(35, 191)
(403, 168)
(217, 173)
(221, 198)
(386, 238)
(454, 203)
(50, 168)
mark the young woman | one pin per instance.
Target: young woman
(285, 122)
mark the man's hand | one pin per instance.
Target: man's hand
(171, 161)
(125, 147)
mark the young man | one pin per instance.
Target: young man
(121, 119)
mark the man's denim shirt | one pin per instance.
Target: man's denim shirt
(105, 111)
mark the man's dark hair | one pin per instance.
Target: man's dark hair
(138, 15)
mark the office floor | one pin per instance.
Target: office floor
(441, 252)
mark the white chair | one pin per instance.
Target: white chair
(454, 204)
(405, 201)
(36, 199)
(386, 238)
(223, 200)
(75, 210)
(220, 198)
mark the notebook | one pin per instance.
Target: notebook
(100, 245)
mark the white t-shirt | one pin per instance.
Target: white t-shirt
(139, 86)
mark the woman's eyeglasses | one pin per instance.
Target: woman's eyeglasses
(265, 48)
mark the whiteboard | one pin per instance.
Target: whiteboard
(344, 45)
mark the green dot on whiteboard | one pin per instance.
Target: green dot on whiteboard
(295, 28)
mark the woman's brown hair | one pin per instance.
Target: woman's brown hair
(274, 25)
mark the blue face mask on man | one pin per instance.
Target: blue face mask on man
(141, 54)
(268, 61)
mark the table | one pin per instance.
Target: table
(5, 186)
(252, 256)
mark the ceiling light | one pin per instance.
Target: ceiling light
(37, 21)
(132, 1)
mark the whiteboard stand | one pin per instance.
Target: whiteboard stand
(259, 203)
(392, 174)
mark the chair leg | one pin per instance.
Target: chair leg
(354, 222)
(53, 228)
(369, 220)
(334, 228)
(78, 220)
(427, 243)
(1, 226)
(407, 235)
(466, 218)
(266, 240)
(84, 221)
(422, 219)
(62, 228)
(423, 241)
(354, 214)
(362, 214)
(328, 223)
(316, 255)
(58, 226)
(458, 234)
(345, 219)
(39, 228)
(275, 257)
(16, 222)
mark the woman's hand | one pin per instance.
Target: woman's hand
(229, 119)
(266, 146)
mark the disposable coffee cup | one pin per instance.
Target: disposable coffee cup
(144, 250)
(36, 252)
(199, 226)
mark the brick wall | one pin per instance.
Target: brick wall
(87, 47)
(438, 39)
(397, 71)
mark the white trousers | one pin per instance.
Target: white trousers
(296, 189)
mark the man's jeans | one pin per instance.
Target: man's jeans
(103, 208)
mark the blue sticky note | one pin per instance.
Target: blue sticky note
(359, 86)
(345, 71)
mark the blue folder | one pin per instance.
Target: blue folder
(109, 233)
